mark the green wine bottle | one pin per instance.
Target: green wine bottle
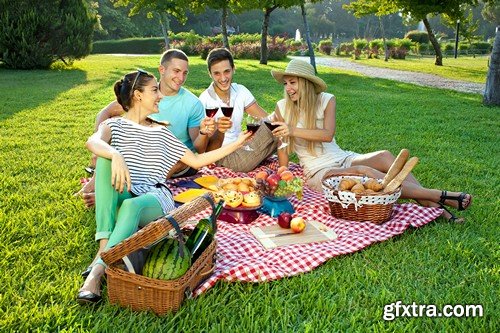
(203, 234)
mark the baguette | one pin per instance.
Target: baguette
(405, 171)
(396, 166)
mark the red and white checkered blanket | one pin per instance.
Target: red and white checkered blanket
(240, 256)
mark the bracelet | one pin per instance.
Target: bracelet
(202, 133)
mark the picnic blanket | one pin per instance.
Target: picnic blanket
(240, 256)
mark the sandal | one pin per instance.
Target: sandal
(453, 217)
(459, 199)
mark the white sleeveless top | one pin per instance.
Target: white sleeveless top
(328, 154)
(150, 153)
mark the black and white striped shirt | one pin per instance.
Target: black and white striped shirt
(150, 153)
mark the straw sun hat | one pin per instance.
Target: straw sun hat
(301, 69)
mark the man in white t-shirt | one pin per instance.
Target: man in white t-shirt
(222, 92)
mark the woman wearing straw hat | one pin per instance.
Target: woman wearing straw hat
(307, 118)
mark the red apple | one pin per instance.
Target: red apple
(284, 220)
(273, 179)
(297, 224)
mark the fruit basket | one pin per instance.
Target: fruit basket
(373, 207)
(276, 188)
(160, 296)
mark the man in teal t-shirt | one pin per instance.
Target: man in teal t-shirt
(183, 111)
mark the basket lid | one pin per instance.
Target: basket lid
(156, 230)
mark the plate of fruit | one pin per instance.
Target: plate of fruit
(277, 184)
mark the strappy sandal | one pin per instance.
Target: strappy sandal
(453, 217)
(460, 199)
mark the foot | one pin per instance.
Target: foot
(86, 272)
(460, 201)
(450, 217)
(88, 298)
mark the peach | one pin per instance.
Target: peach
(281, 169)
(261, 175)
(286, 175)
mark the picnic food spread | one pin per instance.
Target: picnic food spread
(238, 191)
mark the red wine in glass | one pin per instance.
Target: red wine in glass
(270, 126)
(253, 128)
(227, 111)
(211, 112)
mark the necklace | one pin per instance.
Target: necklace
(225, 100)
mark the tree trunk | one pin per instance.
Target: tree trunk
(308, 38)
(382, 31)
(492, 90)
(435, 44)
(263, 36)
(165, 27)
(225, 40)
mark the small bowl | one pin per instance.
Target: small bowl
(239, 215)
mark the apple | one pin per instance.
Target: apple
(297, 224)
(284, 220)
(273, 180)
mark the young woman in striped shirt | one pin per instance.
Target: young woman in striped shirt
(135, 154)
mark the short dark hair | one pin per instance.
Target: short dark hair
(124, 88)
(217, 55)
(172, 54)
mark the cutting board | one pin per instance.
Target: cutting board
(315, 232)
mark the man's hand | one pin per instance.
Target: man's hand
(224, 124)
(87, 193)
(207, 125)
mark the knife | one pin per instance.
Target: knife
(279, 235)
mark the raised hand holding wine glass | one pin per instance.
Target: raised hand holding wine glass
(253, 124)
(279, 129)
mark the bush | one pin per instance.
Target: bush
(325, 46)
(37, 33)
(153, 45)
(375, 46)
(481, 47)
(418, 36)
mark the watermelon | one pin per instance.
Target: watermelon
(164, 261)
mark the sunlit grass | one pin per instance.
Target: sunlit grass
(47, 235)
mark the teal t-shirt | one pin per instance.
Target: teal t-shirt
(183, 111)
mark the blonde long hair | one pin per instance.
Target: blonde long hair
(307, 105)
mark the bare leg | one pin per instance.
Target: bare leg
(102, 244)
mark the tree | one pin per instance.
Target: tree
(491, 12)
(160, 9)
(420, 10)
(37, 33)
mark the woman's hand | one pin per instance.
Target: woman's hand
(282, 130)
(243, 137)
(120, 175)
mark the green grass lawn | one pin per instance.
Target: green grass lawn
(463, 68)
(46, 236)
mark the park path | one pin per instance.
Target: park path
(422, 79)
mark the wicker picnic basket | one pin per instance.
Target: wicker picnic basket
(375, 207)
(160, 296)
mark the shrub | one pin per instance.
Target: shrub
(481, 47)
(375, 46)
(153, 45)
(346, 48)
(359, 46)
(418, 36)
(325, 46)
(37, 33)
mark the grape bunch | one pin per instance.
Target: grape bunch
(287, 188)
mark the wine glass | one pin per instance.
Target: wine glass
(253, 125)
(210, 111)
(227, 111)
(268, 121)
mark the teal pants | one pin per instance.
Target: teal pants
(118, 215)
